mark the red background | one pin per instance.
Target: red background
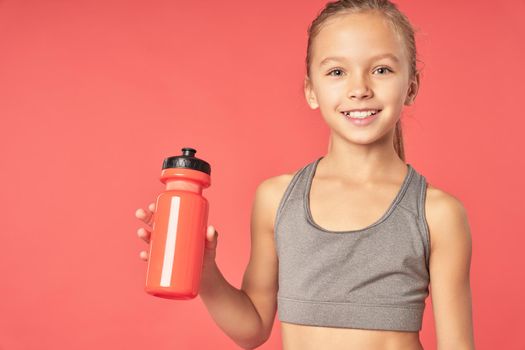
(94, 95)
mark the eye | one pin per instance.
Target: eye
(335, 70)
(384, 68)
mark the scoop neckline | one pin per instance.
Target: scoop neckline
(386, 214)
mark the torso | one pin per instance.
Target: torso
(367, 205)
(299, 337)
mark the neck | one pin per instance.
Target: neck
(362, 162)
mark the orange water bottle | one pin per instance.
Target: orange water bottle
(176, 250)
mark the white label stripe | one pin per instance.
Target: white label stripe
(171, 240)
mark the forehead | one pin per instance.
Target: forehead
(359, 36)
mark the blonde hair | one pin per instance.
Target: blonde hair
(399, 23)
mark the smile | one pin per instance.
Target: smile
(361, 114)
(361, 118)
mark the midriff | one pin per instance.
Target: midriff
(302, 337)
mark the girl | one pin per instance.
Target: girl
(345, 247)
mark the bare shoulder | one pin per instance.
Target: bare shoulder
(446, 216)
(271, 191)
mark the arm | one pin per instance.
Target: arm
(231, 309)
(451, 251)
(247, 315)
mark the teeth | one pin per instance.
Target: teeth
(360, 115)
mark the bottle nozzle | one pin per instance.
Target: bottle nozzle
(187, 151)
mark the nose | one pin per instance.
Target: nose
(359, 87)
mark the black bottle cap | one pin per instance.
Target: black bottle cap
(187, 160)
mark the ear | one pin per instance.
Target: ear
(412, 90)
(309, 93)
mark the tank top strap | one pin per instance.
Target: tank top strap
(413, 198)
(294, 192)
(411, 193)
(414, 202)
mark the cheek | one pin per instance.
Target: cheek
(394, 90)
(328, 96)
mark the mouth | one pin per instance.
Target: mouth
(361, 118)
(361, 114)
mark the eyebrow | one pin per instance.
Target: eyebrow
(341, 58)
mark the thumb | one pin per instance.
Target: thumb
(211, 238)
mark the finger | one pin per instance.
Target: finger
(145, 215)
(144, 234)
(143, 255)
(211, 238)
(151, 207)
(211, 233)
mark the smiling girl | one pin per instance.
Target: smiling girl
(347, 247)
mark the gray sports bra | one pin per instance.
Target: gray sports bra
(373, 278)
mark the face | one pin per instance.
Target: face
(356, 77)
